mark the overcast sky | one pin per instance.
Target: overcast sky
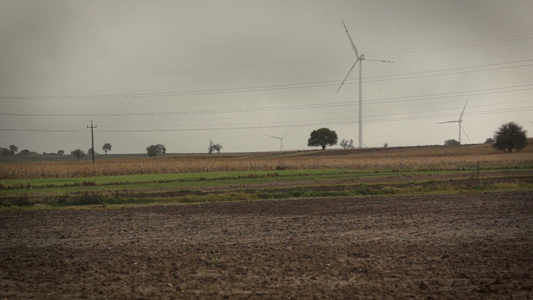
(180, 73)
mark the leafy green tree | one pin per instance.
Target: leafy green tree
(451, 142)
(106, 147)
(78, 153)
(60, 152)
(322, 137)
(4, 151)
(155, 150)
(489, 141)
(510, 136)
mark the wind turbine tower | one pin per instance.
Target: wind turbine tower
(280, 141)
(358, 58)
(459, 121)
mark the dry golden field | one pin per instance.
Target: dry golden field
(415, 158)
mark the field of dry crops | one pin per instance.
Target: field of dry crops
(416, 158)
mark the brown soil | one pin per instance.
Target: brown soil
(450, 246)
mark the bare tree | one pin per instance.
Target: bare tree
(346, 144)
(213, 147)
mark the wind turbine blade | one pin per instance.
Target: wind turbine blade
(448, 122)
(347, 75)
(461, 117)
(351, 41)
(380, 60)
(272, 136)
(464, 131)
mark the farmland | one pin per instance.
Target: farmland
(189, 178)
(405, 158)
(422, 222)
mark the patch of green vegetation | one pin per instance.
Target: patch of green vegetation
(179, 180)
(116, 191)
(183, 180)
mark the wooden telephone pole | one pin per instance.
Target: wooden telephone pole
(92, 138)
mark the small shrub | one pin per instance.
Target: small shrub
(22, 200)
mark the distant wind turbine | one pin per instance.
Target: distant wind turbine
(459, 121)
(358, 58)
(280, 140)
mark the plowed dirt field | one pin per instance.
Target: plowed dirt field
(449, 246)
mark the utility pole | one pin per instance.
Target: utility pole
(92, 138)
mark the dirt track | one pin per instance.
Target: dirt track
(464, 246)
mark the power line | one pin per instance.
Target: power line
(497, 90)
(338, 121)
(437, 47)
(461, 70)
(40, 130)
(441, 72)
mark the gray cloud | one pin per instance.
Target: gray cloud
(247, 68)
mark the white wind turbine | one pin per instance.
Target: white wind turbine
(359, 58)
(459, 121)
(280, 141)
